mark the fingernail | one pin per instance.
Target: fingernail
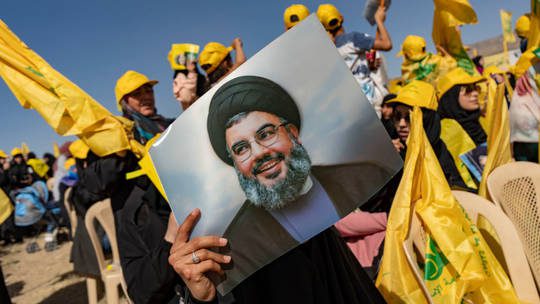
(227, 258)
(223, 241)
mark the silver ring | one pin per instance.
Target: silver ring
(194, 258)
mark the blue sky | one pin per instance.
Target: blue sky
(94, 42)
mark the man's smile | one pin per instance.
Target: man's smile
(269, 166)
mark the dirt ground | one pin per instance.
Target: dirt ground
(41, 277)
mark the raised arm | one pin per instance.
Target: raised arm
(383, 42)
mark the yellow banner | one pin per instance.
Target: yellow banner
(498, 142)
(447, 17)
(64, 106)
(506, 23)
(459, 266)
(6, 207)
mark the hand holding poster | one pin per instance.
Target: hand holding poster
(276, 152)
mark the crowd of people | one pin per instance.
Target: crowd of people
(159, 260)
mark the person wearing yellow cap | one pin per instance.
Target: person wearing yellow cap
(459, 108)
(358, 50)
(523, 26)
(459, 100)
(20, 174)
(294, 14)
(418, 64)
(135, 98)
(215, 59)
(422, 94)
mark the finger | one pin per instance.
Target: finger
(207, 266)
(205, 254)
(184, 231)
(202, 242)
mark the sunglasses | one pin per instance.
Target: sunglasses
(469, 88)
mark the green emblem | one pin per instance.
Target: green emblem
(537, 52)
(435, 262)
(34, 71)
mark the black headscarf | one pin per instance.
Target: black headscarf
(432, 127)
(449, 108)
(246, 94)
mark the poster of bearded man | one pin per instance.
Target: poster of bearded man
(276, 152)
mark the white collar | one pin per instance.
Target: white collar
(307, 186)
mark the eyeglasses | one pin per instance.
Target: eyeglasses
(469, 88)
(265, 136)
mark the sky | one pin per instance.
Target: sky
(94, 42)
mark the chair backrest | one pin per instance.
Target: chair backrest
(102, 213)
(512, 249)
(516, 188)
(70, 211)
(417, 239)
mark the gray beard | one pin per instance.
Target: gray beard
(285, 191)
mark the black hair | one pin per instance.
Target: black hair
(220, 70)
(387, 98)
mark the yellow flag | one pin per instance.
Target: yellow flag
(56, 150)
(506, 23)
(459, 264)
(5, 206)
(458, 142)
(429, 69)
(498, 142)
(447, 17)
(64, 106)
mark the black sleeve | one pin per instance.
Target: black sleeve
(144, 253)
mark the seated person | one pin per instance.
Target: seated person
(422, 94)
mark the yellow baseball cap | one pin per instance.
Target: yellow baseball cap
(79, 149)
(455, 77)
(16, 151)
(128, 83)
(329, 16)
(3, 154)
(523, 26)
(212, 55)
(417, 93)
(294, 14)
(414, 47)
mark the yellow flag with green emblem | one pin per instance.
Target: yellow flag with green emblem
(64, 106)
(459, 266)
(447, 17)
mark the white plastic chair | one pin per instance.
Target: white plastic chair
(111, 271)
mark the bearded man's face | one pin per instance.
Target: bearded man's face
(271, 164)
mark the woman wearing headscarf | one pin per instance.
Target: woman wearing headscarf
(459, 109)
(422, 94)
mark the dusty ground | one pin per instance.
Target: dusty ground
(41, 277)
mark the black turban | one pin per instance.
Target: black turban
(246, 94)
